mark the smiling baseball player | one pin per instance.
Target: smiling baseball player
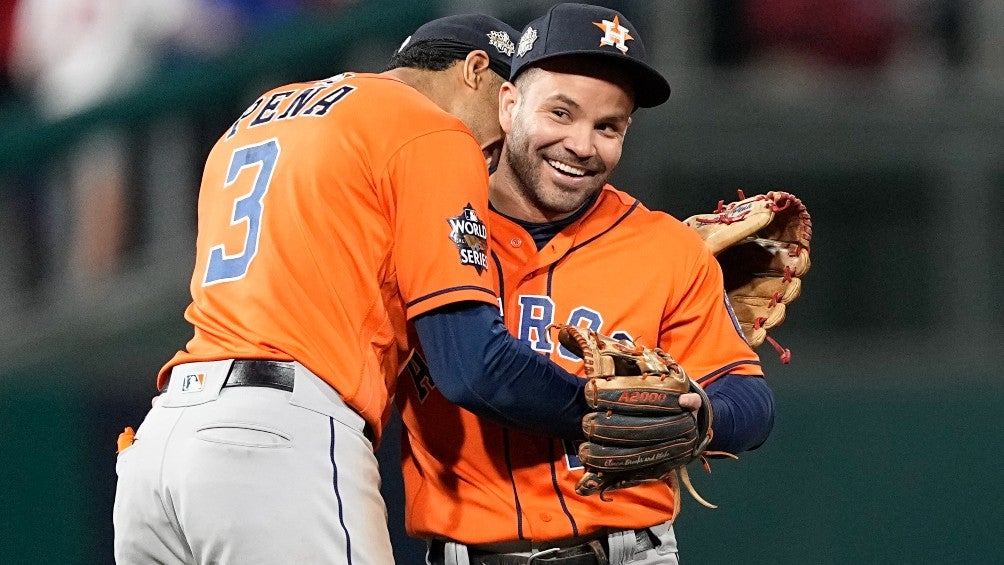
(572, 249)
(332, 213)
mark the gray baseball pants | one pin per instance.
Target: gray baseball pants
(249, 475)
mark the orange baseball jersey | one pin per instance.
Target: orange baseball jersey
(622, 270)
(328, 216)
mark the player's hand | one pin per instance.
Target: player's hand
(649, 420)
(691, 401)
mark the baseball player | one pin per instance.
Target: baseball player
(572, 249)
(331, 213)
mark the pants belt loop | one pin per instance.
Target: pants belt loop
(455, 554)
(621, 546)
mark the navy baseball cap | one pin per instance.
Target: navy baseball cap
(583, 29)
(467, 32)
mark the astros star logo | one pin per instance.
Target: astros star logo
(614, 34)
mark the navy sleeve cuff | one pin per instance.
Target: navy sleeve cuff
(744, 413)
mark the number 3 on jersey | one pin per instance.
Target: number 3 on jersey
(247, 208)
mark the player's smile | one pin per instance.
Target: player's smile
(567, 169)
(570, 174)
(571, 182)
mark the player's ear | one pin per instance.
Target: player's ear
(475, 66)
(508, 97)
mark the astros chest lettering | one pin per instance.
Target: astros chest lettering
(579, 279)
(535, 300)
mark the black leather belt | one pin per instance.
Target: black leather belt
(258, 372)
(254, 372)
(270, 374)
(590, 553)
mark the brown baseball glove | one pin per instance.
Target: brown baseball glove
(762, 245)
(638, 432)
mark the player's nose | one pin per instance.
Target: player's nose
(580, 141)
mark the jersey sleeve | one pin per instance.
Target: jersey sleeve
(702, 333)
(439, 216)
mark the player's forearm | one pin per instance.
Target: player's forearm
(744, 413)
(479, 366)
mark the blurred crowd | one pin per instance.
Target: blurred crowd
(63, 56)
(59, 58)
(844, 33)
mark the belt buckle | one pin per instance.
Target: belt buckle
(589, 553)
(541, 555)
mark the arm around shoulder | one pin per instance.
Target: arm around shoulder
(476, 364)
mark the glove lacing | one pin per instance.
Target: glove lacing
(681, 475)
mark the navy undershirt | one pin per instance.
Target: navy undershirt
(545, 232)
(478, 365)
(744, 413)
(514, 386)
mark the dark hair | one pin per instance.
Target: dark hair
(432, 55)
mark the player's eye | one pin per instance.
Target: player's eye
(611, 129)
(561, 114)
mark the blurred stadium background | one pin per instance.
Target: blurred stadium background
(885, 116)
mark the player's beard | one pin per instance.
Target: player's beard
(551, 200)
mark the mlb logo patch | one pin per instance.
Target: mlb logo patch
(193, 383)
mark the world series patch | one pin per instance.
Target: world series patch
(470, 236)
